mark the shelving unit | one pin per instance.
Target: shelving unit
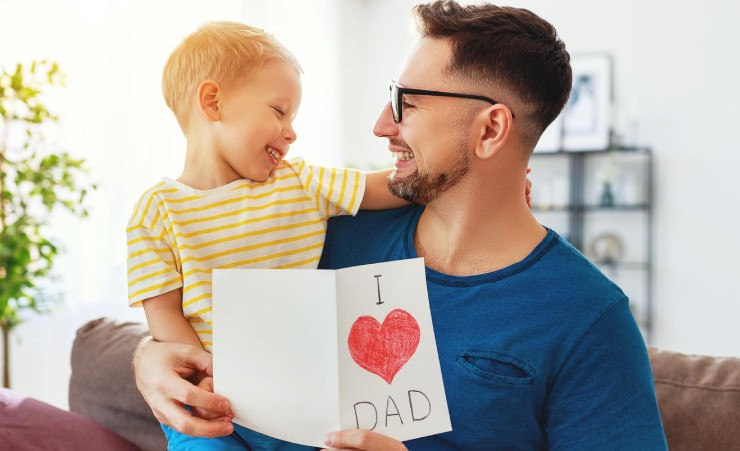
(614, 230)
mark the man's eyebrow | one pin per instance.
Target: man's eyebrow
(414, 97)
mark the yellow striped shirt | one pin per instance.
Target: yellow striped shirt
(177, 235)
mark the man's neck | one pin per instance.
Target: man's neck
(464, 238)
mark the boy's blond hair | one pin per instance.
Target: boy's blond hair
(225, 52)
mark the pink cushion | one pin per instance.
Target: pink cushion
(29, 424)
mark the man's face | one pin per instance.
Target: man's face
(430, 145)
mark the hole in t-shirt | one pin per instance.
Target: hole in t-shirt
(497, 367)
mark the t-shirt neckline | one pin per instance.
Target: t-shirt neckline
(203, 192)
(465, 281)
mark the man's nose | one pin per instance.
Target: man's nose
(385, 126)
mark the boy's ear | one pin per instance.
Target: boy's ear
(209, 98)
(495, 127)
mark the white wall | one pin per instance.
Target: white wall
(676, 73)
(112, 114)
(676, 70)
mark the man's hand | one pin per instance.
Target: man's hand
(360, 439)
(162, 370)
(206, 384)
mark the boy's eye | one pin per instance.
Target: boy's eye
(405, 104)
(279, 111)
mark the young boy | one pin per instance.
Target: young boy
(238, 203)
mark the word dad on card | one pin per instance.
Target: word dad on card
(300, 353)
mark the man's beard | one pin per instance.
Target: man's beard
(423, 187)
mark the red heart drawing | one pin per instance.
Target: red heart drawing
(383, 350)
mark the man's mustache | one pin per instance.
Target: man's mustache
(399, 143)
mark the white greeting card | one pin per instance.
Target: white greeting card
(300, 353)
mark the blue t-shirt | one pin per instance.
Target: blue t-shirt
(543, 354)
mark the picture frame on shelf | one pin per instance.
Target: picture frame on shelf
(586, 120)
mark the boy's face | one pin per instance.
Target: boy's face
(255, 128)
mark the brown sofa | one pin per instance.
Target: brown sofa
(699, 400)
(698, 396)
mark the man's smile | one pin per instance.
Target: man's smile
(403, 155)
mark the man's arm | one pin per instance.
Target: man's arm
(162, 370)
(603, 396)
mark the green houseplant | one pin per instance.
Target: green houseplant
(36, 178)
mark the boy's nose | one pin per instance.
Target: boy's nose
(290, 135)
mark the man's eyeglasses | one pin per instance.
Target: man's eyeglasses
(397, 92)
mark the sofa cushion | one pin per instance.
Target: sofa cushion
(699, 400)
(102, 385)
(27, 424)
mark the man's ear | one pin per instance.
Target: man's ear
(495, 128)
(209, 98)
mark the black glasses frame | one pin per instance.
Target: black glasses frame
(397, 92)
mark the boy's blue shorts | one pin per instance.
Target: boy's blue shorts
(241, 439)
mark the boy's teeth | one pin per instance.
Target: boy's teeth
(403, 155)
(273, 152)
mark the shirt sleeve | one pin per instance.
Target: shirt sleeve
(603, 396)
(152, 266)
(336, 191)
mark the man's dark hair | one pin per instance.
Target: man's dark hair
(507, 47)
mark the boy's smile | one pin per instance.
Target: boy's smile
(275, 154)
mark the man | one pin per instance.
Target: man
(538, 349)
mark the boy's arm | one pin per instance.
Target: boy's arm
(377, 196)
(166, 321)
(167, 324)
